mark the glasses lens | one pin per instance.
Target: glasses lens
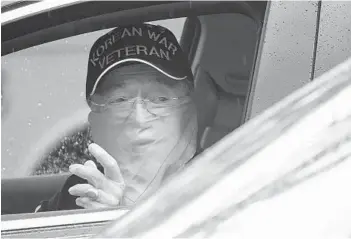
(162, 106)
(159, 106)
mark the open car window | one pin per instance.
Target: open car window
(44, 112)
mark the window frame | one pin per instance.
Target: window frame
(333, 35)
(57, 223)
(20, 34)
(272, 64)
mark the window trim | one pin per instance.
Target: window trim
(9, 6)
(16, 222)
(253, 73)
(21, 34)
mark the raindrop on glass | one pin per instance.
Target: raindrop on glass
(244, 60)
(29, 123)
(40, 104)
(11, 141)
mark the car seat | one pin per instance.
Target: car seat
(206, 99)
(219, 112)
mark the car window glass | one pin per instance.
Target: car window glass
(43, 92)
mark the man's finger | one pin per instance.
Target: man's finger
(112, 170)
(98, 195)
(93, 175)
(108, 199)
(83, 190)
(90, 163)
(87, 203)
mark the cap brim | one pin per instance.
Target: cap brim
(133, 60)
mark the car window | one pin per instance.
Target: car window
(43, 92)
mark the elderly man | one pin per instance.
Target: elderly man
(143, 119)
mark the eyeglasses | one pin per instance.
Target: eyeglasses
(158, 106)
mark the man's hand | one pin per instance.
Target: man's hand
(103, 190)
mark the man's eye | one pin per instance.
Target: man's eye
(162, 99)
(118, 100)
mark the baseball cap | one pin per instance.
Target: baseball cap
(144, 43)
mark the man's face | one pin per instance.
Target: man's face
(141, 109)
(141, 104)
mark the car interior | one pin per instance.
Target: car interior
(220, 38)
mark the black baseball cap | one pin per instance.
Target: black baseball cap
(153, 45)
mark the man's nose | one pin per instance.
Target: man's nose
(141, 113)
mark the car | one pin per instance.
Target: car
(246, 57)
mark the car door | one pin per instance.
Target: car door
(28, 29)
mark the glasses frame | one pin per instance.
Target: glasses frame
(99, 108)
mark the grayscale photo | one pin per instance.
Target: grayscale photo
(176, 119)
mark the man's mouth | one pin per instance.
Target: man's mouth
(143, 142)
